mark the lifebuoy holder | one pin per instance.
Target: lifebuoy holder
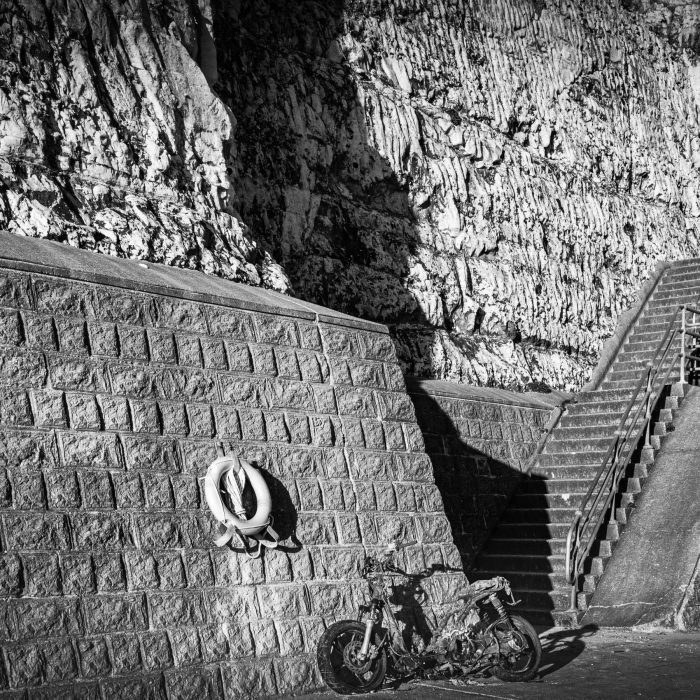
(228, 474)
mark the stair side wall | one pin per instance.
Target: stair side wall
(647, 580)
(113, 402)
(479, 451)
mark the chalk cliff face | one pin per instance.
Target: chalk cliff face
(493, 179)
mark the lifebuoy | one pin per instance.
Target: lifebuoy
(233, 471)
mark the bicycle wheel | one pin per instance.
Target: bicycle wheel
(521, 651)
(337, 660)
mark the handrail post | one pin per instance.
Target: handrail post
(682, 380)
(648, 409)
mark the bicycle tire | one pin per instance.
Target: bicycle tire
(505, 672)
(330, 657)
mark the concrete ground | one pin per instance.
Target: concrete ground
(583, 664)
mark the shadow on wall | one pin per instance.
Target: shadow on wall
(309, 183)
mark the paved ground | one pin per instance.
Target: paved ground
(584, 665)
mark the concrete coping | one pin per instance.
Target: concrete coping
(529, 399)
(63, 260)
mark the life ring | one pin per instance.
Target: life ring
(235, 471)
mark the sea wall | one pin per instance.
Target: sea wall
(480, 442)
(120, 383)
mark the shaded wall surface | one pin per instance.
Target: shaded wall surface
(653, 577)
(491, 178)
(480, 442)
(115, 395)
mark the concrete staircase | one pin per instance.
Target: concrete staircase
(528, 544)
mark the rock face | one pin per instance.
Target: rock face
(493, 179)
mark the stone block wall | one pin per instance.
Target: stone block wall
(113, 401)
(480, 442)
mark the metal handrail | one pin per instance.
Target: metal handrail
(601, 495)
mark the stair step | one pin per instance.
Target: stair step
(547, 459)
(540, 547)
(598, 420)
(533, 516)
(586, 473)
(547, 500)
(535, 485)
(566, 433)
(580, 444)
(533, 563)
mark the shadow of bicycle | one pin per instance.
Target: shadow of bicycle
(560, 648)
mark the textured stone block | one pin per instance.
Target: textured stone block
(100, 531)
(394, 436)
(231, 605)
(179, 315)
(41, 575)
(115, 613)
(125, 653)
(134, 381)
(385, 497)
(395, 406)
(62, 298)
(43, 531)
(198, 456)
(276, 330)
(227, 423)
(339, 341)
(115, 412)
(324, 396)
(370, 466)
(145, 417)
(331, 599)
(287, 366)
(151, 454)
(15, 409)
(97, 450)
(340, 372)
(199, 568)
(315, 528)
(83, 411)
(263, 360)
(171, 572)
(27, 489)
(311, 368)
(25, 665)
(248, 680)
(127, 490)
(188, 351)
(201, 421)
(276, 427)
(175, 609)
(434, 528)
(77, 375)
(141, 688)
(22, 368)
(405, 497)
(185, 491)
(288, 394)
(252, 424)
(72, 336)
(109, 572)
(364, 496)
(335, 463)
(239, 357)
(184, 643)
(173, 418)
(310, 336)
(226, 567)
(59, 661)
(193, 684)
(155, 650)
(132, 343)
(10, 328)
(10, 570)
(213, 353)
(74, 691)
(230, 324)
(356, 401)
(296, 461)
(15, 290)
(189, 385)
(120, 307)
(103, 339)
(93, 657)
(161, 346)
(141, 569)
(374, 434)
(367, 374)
(282, 601)
(395, 528)
(414, 467)
(298, 427)
(77, 577)
(159, 531)
(48, 617)
(39, 331)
